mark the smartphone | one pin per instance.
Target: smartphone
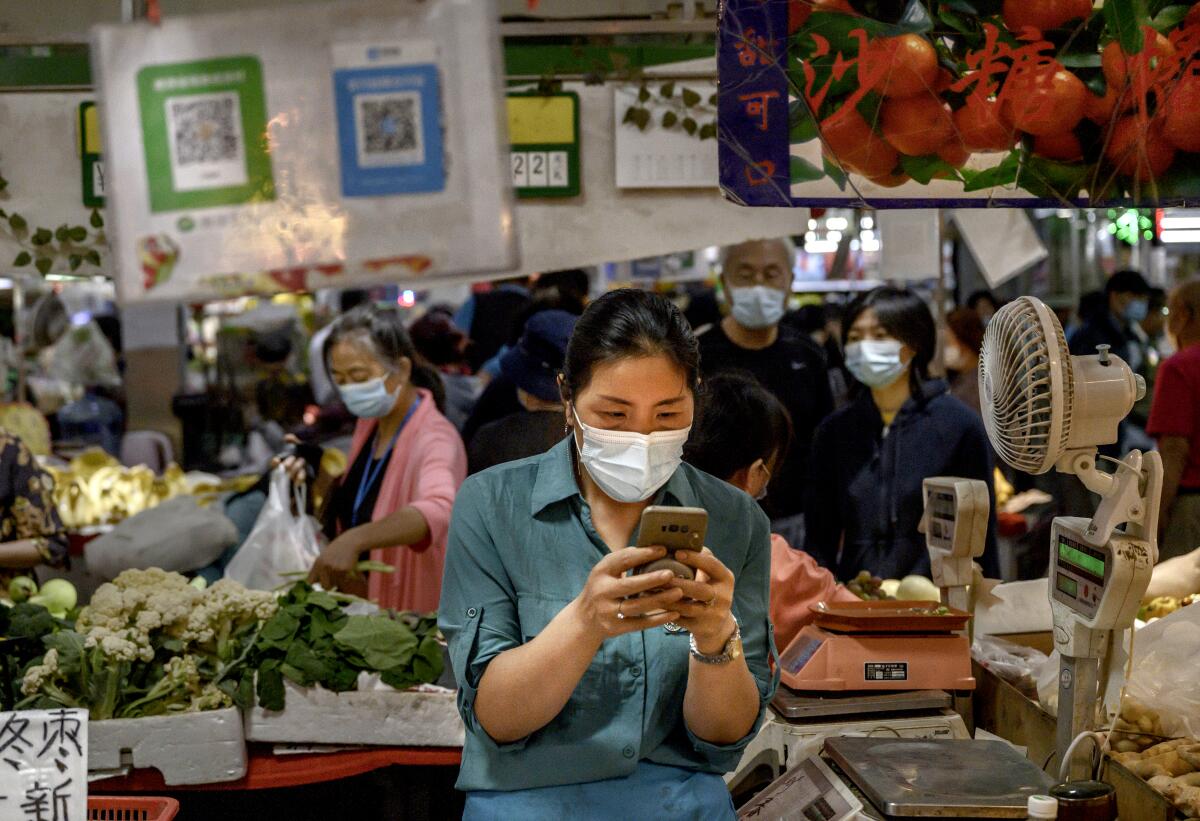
(676, 528)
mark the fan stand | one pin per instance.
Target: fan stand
(1130, 496)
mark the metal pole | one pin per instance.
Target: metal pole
(1077, 696)
(939, 298)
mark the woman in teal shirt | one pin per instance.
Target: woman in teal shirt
(578, 697)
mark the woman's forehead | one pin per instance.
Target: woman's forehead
(867, 321)
(639, 380)
(350, 353)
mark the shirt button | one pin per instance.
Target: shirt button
(471, 611)
(628, 751)
(635, 671)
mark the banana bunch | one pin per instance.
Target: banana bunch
(95, 489)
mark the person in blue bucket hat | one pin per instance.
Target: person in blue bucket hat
(533, 366)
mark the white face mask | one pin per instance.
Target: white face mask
(758, 306)
(630, 466)
(875, 363)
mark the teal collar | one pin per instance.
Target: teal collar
(555, 481)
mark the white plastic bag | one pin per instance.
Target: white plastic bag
(281, 541)
(1166, 668)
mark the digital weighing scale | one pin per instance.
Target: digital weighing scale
(955, 525)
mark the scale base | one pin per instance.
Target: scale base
(822, 660)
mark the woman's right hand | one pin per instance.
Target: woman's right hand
(605, 604)
(296, 467)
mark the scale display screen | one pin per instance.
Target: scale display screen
(943, 510)
(799, 653)
(1067, 585)
(1081, 559)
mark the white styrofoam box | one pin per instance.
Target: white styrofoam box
(390, 717)
(191, 748)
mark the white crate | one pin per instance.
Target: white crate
(191, 748)
(402, 718)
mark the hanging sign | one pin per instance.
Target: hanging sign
(89, 155)
(919, 104)
(303, 148)
(43, 764)
(544, 132)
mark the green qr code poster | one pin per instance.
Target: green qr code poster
(204, 126)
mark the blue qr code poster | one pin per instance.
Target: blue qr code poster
(389, 130)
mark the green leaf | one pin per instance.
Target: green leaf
(74, 261)
(22, 259)
(41, 236)
(689, 125)
(92, 257)
(1125, 19)
(1003, 174)
(270, 686)
(669, 119)
(643, 94)
(668, 90)
(382, 642)
(1081, 60)
(960, 5)
(804, 171)
(869, 107)
(956, 21)
(70, 647)
(303, 658)
(712, 99)
(802, 126)
(96, 221)
(1170, 17)
(77, 234)
(637, 116)
(323, 601)
(3, 183)
(17, 222)
(924, 169)
(279, 630)
(690, 98)
(43, 264)
(1052, 179)
(708, 131)
(835, 173)
(62, 233)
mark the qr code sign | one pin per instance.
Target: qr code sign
(389, 129)
(206, 141)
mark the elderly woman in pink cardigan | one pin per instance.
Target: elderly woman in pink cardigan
(405, 465)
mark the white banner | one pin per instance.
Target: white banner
(304, 147)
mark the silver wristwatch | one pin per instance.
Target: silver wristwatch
(731, 651)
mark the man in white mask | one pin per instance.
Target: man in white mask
(756, 278)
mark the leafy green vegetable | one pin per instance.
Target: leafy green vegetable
(29, 621)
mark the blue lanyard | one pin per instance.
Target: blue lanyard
(374, 468)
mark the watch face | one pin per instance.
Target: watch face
(734, 648)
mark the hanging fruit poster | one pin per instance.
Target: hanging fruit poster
(927, 103)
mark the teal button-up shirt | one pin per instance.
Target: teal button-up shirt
(521, 547)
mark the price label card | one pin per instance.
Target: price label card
(43, 765)
(544, 132)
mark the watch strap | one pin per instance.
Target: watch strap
(726, 654)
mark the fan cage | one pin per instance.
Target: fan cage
(1018, 381)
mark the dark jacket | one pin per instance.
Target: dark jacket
(865, 487)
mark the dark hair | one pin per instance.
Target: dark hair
(549, 301)
(806, 319)
(979, 296)
(1091, 305)
(381, 329)
(1158, 299)
(967, 328)
(437, 339)
(351, 298)
(572, 283)
(628, 323)
(738, 421)
(1127, 281)
(906, 317)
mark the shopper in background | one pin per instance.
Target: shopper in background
(31, 532)
(962, 344)
(323, 389)
(1149, 335)
(532, 366)
(444, 346)
(1175, 424)
(554, 290)
(490, 317)
(757, 279)
(864, 498)
(1126, 303)
(984, 304)
(741, 434)
(812, 321)
(406, 464)
(573, 693)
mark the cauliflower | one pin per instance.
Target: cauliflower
(124, 613)
(39, 675)
(225, 607)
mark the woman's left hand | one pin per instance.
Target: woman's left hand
(337, 566)
(704, 610)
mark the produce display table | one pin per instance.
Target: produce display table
(265, 770)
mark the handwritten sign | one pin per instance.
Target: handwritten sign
(43, 765)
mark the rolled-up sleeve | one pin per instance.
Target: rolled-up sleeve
(478, 613)
(442, 470)
(751, 608)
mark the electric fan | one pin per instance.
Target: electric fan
(1043, 409)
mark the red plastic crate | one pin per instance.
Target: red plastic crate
(119, 808)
